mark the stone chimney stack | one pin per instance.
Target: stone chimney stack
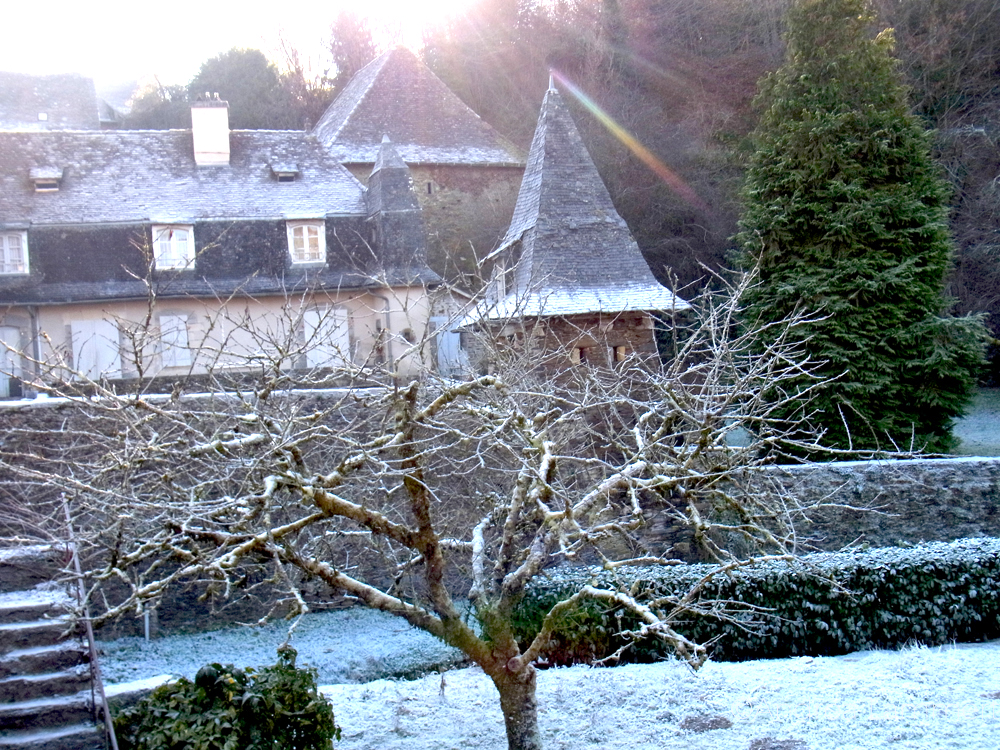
(210, 128)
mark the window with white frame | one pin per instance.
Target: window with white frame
(307, 241)
(174, 346)
(173, 246)
(13, 252)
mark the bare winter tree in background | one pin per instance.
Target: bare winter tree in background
(432, 499)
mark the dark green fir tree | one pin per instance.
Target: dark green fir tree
(846, 217)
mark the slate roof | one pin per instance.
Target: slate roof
(129, 176)
(397, 95)
(119, 179)
(68, 101)
(577, 255)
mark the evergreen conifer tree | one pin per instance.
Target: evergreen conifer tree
(845, 215)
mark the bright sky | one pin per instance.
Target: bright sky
(114, 41)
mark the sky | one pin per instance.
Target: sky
(115, 41)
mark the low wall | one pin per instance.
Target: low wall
(910, 501)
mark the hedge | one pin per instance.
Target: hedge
(818, 604)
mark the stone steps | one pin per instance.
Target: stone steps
(24, 568)
(47, 713)
(85, 736)
(45, 697)
(16, 636)
(22, 687)
(53, 657)
(12, 611)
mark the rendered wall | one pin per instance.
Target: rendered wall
(235, 333)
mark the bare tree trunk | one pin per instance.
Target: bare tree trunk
(520, 707)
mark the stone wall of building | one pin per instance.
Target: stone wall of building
(466, 211)
(558, 344)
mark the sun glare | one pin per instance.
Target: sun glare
(196, 31)
(405, 21)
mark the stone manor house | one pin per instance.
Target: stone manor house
(165, 253)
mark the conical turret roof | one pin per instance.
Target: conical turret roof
(397, 95)
(575, 254)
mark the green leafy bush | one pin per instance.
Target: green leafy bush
(225, 708)
(826, 603)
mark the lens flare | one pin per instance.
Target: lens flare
(647, 157)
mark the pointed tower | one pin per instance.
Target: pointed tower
(568, 260)
(464, 172)
(398, 228)
(397, 95)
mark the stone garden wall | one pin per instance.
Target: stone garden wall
(911, 501)
(908, 501)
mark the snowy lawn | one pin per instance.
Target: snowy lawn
(979, 430)
(914, 699)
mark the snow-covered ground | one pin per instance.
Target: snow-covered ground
(915, 699)
(979, 431)
(345, 645)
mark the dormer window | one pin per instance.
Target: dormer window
(46, 179)
(13, 253)
(307, 241)
(173, 246)
(284, 172)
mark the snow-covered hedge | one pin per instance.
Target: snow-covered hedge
(825, 603)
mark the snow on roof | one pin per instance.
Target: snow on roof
(129, 176)
(579, 301)
(397, 95)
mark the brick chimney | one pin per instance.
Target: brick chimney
(210, 128)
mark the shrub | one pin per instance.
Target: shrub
(225, 708)
(825, 603)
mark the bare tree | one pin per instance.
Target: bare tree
(437, 500)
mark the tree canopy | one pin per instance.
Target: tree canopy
(252, 86)
(847, 216)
